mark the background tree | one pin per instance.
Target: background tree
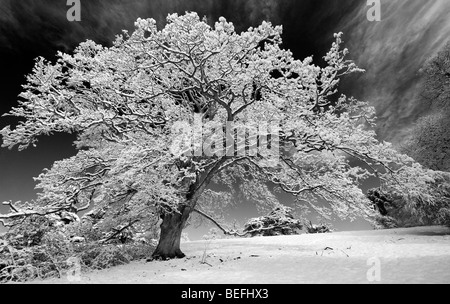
(395, 209)
(123, 103)
(429, 142)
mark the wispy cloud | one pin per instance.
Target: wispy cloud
(393, 51)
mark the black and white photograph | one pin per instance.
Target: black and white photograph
(219, 145)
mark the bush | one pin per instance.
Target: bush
(279, 222)
(29, 232)
(100, 257)
(39, 247)
(50, 260)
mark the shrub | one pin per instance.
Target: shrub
(39, 247)
(278, 222)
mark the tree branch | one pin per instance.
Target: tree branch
(231, 232)
(118, 231)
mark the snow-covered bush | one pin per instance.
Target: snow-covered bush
(278, 222)
(40, 247)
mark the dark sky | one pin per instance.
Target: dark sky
(392, 51)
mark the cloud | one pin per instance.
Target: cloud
(393, 52)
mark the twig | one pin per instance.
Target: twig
(204, 257)
(12, 255)
(344, 253)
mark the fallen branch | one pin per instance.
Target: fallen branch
(231, 232)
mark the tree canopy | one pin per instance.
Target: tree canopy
(124, 102)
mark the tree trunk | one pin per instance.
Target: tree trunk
(170, 236)
(173, 223)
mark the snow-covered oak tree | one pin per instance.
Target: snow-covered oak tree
(124, 101)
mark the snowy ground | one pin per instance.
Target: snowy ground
(413, 255)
